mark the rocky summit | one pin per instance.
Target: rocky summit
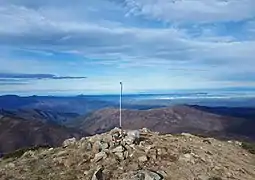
(133, 155)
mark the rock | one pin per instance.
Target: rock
(145, 130)
(86, 173)
(10, 165)
(126, 154)
(104, 146)
(159, 152)
(238, 143)
(143, 158)
(97, 147)
(147, 148)
(129, 140)
(132, 137)
(99, 156)
(147, 175)
(202, 177)
(132, 146)
(118, 149)
(207, 141)
(116, 129)
(29, 154)
(87, 146)
(209, 153)
(98, 175)
(120, 155)
(83, 139)
(107, 138)
(153, 154)
(117, 136)
(187, 158)
(187, 135)
(69, 142)
(163, 173)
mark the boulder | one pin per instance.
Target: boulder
(98, 175)
(143, 158)
(118, 149)
(187, 135)
(105, 145)
(85, 145)
(29, 154)
(97, 147)
(69, 142)
(120, 155)
(131, 137)
(145, 130)
(147, 175)
(99, 156)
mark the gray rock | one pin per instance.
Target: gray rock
(98, 175)
(143, 158)
(10, 165)
(97, 147)
(107, 138)
(118, 149)
(187, 135)
(120, 155)
(86, 145)
(129, 140)
(145, 130)
(202, 177)
(126, 154)
(29, 154)
(104, 145)
(99, 156)
(187, 158)
(147, 175)
(69, 142)
(131, 137)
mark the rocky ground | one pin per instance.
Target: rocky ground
(121, 155)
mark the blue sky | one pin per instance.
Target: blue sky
(88, 46)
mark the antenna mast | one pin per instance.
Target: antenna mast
(121, 89)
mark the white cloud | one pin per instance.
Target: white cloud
(194, 11)
(108, 39)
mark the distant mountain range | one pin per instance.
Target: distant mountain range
(176, 119)
(29, 121)
(74, 104)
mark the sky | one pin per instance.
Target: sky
(89, 46)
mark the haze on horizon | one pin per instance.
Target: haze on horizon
(88, 46)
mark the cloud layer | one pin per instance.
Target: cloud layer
(196, 43)
(13, 76)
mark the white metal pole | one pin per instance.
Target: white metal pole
(121, 89)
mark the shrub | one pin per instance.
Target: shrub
(215, 178)
(250, 147)
(18, 153)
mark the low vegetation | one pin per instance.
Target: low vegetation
(215, 178)
(250, 147)
(18, 153)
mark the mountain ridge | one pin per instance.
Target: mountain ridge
(16, 132)
(174, 119)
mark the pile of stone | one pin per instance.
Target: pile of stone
(118, 144)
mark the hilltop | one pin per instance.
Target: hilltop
(151, 157)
